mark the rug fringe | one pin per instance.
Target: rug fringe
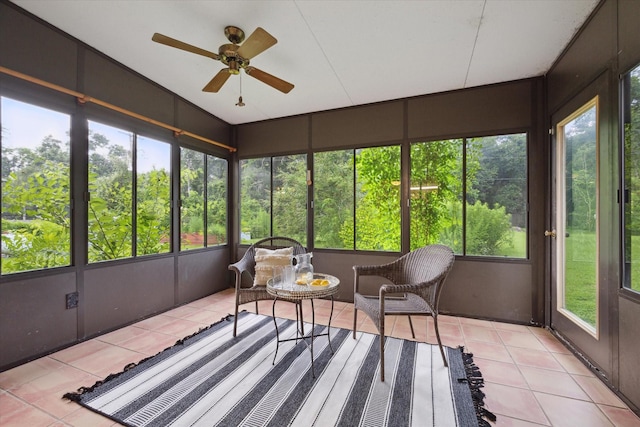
(75, 396)
(476, 383)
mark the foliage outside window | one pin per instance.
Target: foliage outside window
(111, 188)
(153, 201)
(495, 212)
(192, 186)
(217, 200)
(334, 198)
(290, 197)
(36, 219)
(358, 210)
(199, 189)
(273, 198)
(496, 196)
(436, 194)
(255, 199)
(378, 222)
(631, 127)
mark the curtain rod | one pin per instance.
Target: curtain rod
(82, 98)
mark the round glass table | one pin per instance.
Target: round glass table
(326, 286)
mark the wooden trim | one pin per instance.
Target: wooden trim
(83, 98)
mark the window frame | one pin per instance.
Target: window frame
(625, 288)
(270, 159)
(464, 138)
(205, 200)
(53, 105)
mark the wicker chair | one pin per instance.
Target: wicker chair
(245, 271)
(419, 275)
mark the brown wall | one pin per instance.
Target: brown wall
(606, 47)
(33, 316)
(506, 290)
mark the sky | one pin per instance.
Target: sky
(26, 125)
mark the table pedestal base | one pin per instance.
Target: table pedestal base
(300, 328)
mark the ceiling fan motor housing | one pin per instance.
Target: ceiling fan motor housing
(229, 56)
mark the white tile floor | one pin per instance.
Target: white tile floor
(530, 378)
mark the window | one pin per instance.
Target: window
(273, 194)
(290, 197)
(36, 196)
(217, 183)
(378, 221)
(192, 185)
(493, 219)
(111, 189)
(153, 196)
(199, 189)
(255, 199)
(631, 141)
(577, 218)
(467, 193)
(357, 199)
(333, 199)
(111, 226)
(496, 196)
(436, 194)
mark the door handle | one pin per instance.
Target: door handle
(551, 233)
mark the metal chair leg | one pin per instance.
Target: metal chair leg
(413, 335)
(235, 321)
(355, 320)
(435, 324)
(382, 349)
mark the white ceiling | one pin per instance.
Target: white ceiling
(336, 53)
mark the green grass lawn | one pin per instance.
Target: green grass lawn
(519, 247)
(580, 275)
(580, 286)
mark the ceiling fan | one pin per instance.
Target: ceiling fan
(235, 56)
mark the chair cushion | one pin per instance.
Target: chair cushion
(266, 259)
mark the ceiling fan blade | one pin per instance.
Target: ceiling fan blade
(159, 38)
(256, 43)
(267, 78)
(217, 81)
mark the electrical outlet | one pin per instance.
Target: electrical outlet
(72, 300)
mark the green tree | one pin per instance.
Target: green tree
(255, 194)
(580, 142)
(378, 221)
(192, 191)
(216, 200)
(153, 220)
(502, 174)
(436, 191)
(110, 217)
(43, 199)
(290, 197)
(489, 229)
(333, 198)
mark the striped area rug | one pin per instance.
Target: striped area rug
(213, 379)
